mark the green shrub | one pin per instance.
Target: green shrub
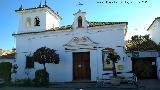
(24, 82)
(27, 82)
(41, 78)
(5, 71)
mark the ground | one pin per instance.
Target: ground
(144, 85)
(23, 88)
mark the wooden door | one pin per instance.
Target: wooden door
(81, 66)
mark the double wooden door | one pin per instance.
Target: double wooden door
(81, 66)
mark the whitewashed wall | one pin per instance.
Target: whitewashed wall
(110, 36)
(154, 31)
(7, 60)
(48, 20)
(107, 36)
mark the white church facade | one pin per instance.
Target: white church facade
(82, 46)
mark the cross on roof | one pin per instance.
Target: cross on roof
(80, 5)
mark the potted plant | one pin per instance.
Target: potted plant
(112, 55)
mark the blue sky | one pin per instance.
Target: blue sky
(138, 14)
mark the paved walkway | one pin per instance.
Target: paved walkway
(150, 84)
(90, 85)
(143, 84)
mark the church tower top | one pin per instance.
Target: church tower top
(22, 10)
(80, 20)
(36, 19)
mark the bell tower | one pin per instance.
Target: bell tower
(36, 19)
(80, 20)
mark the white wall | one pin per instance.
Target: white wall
(109, 36)
(32, 15)
(154, 31)
(48, 19)
(51, 21)
(7, 60)
(84, 21)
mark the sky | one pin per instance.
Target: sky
(138, 13)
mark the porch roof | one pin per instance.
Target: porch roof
(8, 56)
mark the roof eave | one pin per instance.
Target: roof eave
(39, 8)
(152, 23)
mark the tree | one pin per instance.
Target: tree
(45, 55)
(139, 37)
(114, 58)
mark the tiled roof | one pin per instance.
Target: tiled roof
(141, 45)
(68, 27)
(94, 24)
(8, 56)
(44, 6)
(1, 53)
(64, 27)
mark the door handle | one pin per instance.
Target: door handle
(79, 66)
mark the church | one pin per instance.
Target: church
(81, 45)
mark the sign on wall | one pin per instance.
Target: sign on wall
(145, 54)
(135, 54)
(120, 67)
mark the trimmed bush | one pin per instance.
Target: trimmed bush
(41, 77)
(24, 82)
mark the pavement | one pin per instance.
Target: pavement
(143, 85)
(91, 85)
(150, 83)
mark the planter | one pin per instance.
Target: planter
(115, 81)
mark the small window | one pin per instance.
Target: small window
(29, 62)
(36, 21)
(28, 22)
(79, 21)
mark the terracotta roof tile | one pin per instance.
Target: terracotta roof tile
(68, 27)
(8, 56)
(94, 24)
